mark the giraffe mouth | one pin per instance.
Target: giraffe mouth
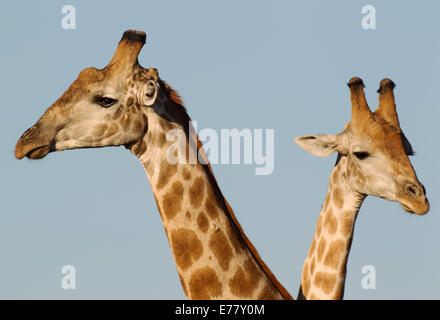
(38, 153)
(419, 208)
(35, 144)
(34, 152)
(406, 208)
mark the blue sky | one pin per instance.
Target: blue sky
(249, 64)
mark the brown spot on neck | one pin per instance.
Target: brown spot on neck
(325, 281)
(186, 246)
(166, 172)
(204, 284)
(172, 200)
(334, 254)
(219, 245)
(330, 222)
(202, 222)
(196, 192)
(244, 282)
(211, 208)
(337, 196)
(186, 174)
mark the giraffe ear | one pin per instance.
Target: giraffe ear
(321, 145)
(148, 93)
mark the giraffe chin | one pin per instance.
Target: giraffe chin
(418, 209)
(38, 153)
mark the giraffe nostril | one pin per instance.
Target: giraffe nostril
(413, 190)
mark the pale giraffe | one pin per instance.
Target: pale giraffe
(127, 105)
(372, 160)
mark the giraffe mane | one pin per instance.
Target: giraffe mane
(174, 95)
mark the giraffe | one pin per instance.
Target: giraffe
(372, 160)
(127, 105)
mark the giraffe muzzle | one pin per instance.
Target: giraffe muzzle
(413, 198)
(34, 144)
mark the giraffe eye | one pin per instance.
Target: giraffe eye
(361, 155)
(105, 101)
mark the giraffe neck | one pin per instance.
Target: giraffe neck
(324, 271)
(214, 258)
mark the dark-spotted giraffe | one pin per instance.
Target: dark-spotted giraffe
(372, 160)
(126, 104)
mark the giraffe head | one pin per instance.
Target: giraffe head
(376, 150)
(102, 107)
